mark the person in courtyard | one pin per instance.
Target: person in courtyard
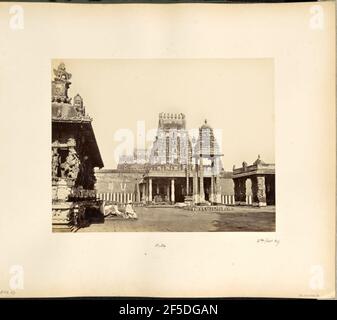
(111, 210)
(116, 211)
(130, 212)
(105, 209)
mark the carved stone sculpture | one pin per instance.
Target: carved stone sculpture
(78, 104)
(61, 73)
(61, 84)
(70, 168)
(261, 190)
(55, 162)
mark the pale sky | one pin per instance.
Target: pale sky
(235, 96)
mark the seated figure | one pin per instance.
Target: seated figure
(129, 211)
(111, 210)
(116, 211)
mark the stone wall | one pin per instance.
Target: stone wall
(114, 181)
(226, 186)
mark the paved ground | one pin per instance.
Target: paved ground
(180, 220)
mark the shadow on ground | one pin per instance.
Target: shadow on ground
(242, 219)
(247, 221)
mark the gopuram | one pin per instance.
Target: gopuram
(168, 176)
(74, 154)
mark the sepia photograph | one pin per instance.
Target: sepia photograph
(158, 151)
(163, 145)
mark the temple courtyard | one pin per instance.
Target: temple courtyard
(179, 220)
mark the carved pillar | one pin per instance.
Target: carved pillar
(195, 185)
(211, 194)
(187, 181)
(150, 189)
(55, 163)
(202, 191)
(168, 192)
(261, 191)
(143, 193)
(146, 192)
(243, 191)
(172, 191)
(236, 191)
(248, 188)
(217, 196)
(137, 192)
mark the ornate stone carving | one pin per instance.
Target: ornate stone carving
(55, 162)
(61, 84)
(80, 193)
(62, 190)
(70, 168)
(259, 162)
(61, 73)
(78, 104)
(261, 191)
(61, 214)
(71, 142)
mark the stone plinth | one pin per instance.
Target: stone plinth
(61, 208)
(188, 200)
(61, 214)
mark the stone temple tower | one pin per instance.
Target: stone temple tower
(74, 152)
